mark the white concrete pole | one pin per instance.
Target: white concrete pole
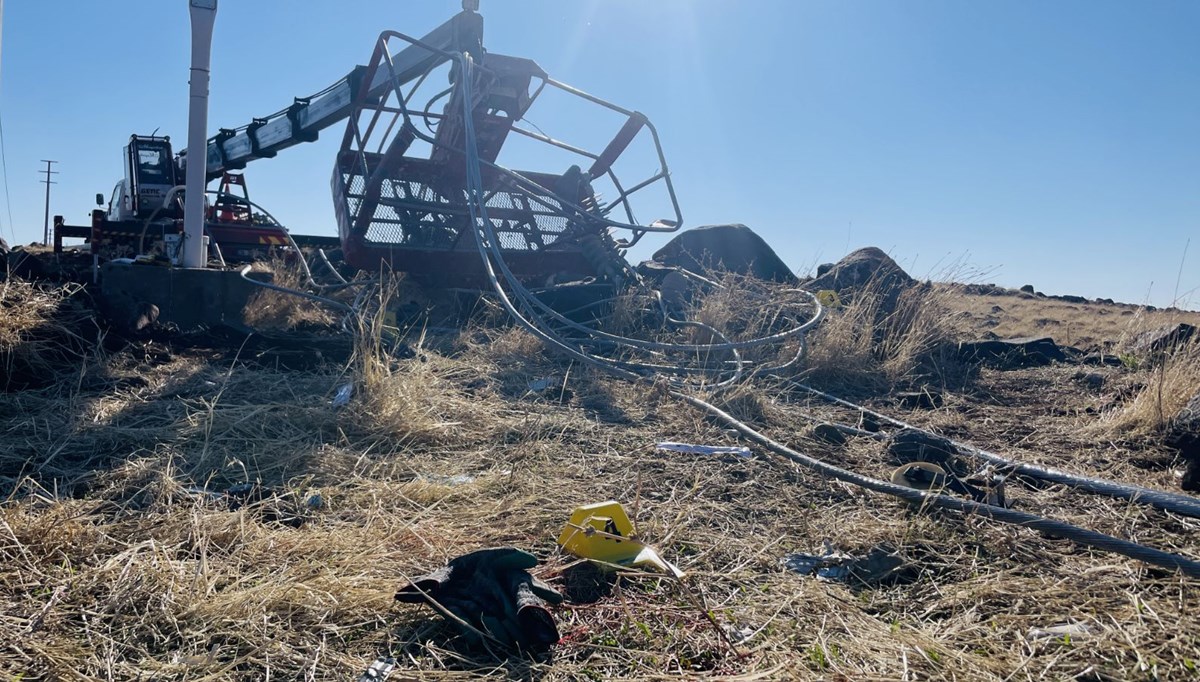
(204, 15)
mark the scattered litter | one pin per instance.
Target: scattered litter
(1064, 631)
(738, 634)
(379, 670)
(739, 450)
(441, 479)
(342, 397)
(603, 532)
(879, 564)
(491, 594)
(270, 504)
(210, 495)
(539, 385)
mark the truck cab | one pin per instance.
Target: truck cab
(149, 174)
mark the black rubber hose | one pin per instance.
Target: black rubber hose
(1189, 567)
(1173, 502)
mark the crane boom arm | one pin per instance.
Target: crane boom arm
(232, 149)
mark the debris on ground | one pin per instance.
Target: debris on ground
(688, 448)
(380, 669)
(1065, 631)
(603, 532)
(876, 566)
(489, 595)
(342, 397)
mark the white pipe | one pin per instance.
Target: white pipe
(204, 14)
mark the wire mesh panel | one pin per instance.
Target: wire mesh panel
(400, 191)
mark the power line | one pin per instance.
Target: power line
(48, 182)
(3, 156)
(4, 165)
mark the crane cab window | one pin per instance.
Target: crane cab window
(154, 166)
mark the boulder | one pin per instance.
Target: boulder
(1163, 339)
(733, 248)
(866, 266)
(1028, 289)
(1184, 435)
(918, 400)
(1012, 353)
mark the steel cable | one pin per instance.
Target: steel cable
(1187, 566)
(1174, 502)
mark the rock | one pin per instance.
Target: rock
(824, 268)
(1072, 299)
(829, 433)
(1091, 380)
(1106, 301)
(866, 265)
(997, 309)
(911, 445)
(1101, 360)
(868, 423)
(919, 400)
(986, 290)
(867, 269)
(1163, 339)
(1183, 435)
(1028, 289)
(1012, 353)
(733, 248)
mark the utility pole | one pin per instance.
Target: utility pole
(203, 15)
(48, 182)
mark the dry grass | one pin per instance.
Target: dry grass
(1075, 324)
(415, 402)
(1168, 385)
(116, 564)
(862, 347)
(276, 311)
(42, 330)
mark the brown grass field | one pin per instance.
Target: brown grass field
(119, 562)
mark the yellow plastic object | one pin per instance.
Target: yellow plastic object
(602, 531)
(829, 298)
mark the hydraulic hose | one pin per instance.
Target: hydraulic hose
(492, 260)
(337, 305)
(1185, 565)
(1173, 502)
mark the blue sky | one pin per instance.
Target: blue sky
(1053, 143)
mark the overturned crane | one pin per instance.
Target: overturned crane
(400, 178)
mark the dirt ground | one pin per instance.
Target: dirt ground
(123, 560)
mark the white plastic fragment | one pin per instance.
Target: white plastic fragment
(1066, 630)
(539, 385)
(739, 450)
(342, 397)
